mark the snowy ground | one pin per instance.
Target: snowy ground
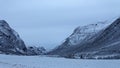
(10, 61)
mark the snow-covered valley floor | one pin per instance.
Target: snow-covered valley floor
(11, 61)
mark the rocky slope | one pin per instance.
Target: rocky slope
(80, 35)
(104, 44)
(10, 42)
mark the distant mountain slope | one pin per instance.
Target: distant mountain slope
(33, 50)
(10, 42)
(104, 44)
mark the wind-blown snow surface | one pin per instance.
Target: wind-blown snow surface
(11, 61)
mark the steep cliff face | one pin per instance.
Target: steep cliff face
(80, 35)
(10, 42)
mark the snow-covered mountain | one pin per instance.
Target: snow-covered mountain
(83, 33)
(80, 35)
(103, 43)
(10, 42)
(105, 46)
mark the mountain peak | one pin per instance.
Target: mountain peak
(3, 22)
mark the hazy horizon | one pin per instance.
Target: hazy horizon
(48, 22)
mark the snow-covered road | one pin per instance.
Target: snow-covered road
(11, 61)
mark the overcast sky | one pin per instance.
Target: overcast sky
(49, 22)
